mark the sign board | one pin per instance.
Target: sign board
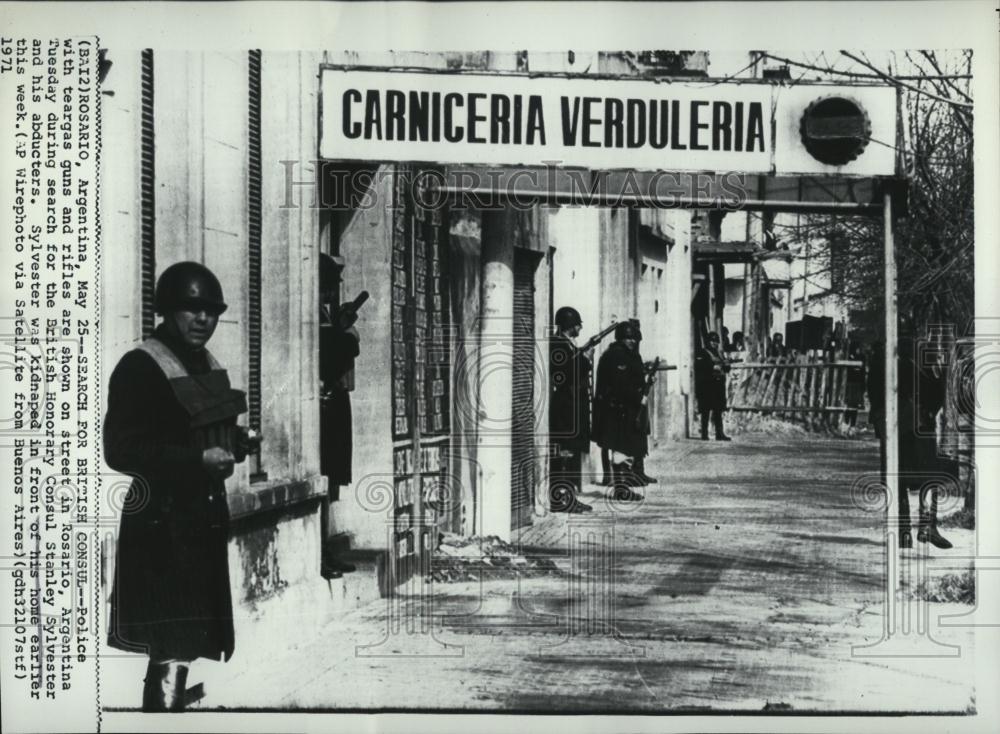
(595, 123)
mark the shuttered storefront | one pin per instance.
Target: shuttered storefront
(522, 458)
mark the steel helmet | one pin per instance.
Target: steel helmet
(187, 284)
(567, 317)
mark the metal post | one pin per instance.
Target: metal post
(906, 630)
(891, 409)
(496, 356)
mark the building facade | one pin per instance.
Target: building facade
(213, 157)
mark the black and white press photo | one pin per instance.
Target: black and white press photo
(479, 375)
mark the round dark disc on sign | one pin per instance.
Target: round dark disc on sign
(835, 130)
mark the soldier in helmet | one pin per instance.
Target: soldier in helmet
(710, 370)
(171, 424)
(618, 407)
(569, 413)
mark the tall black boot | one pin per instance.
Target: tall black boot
(605, 468)
(928, 532)
(561, 495)
(177, 680)
(624, 479)
(905, 536)
(165, 687)
(640, 471)
(704, 425)
(152, 701)
(720, 435)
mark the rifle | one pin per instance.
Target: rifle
(596, 338)
(642, 418)
(656, 367)
(350, 309)
(353, 306)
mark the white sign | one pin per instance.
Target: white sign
(505, 119)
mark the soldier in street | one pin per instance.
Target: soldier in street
(618, 425)
(171, 425)
(569, 412)
(921, 465)
(339, 346)
(710, 370)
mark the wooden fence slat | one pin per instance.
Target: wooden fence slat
(821, 401)
(761, 383)
(805, 394)
(816, 397)
(840, 396)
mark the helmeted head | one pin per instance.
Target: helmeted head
(189, 297)
(712, 339)
(568, 319)
(187, 284)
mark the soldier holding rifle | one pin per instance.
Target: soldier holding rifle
(618, 407)
(569, 410)
(710, 370)
(171, 424)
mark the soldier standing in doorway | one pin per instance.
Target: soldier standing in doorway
(617, 408)
(339, 345)
(569, 413)
(171, 424)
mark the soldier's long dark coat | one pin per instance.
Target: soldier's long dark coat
(569, 399)
(710, 369)
(338, 349)
(171, 596)
(921, 394)
(618, 402)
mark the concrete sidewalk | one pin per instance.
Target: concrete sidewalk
(741, 583)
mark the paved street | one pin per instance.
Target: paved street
(742, 582)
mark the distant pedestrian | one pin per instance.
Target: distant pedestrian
(739, 346)
(777, 350)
